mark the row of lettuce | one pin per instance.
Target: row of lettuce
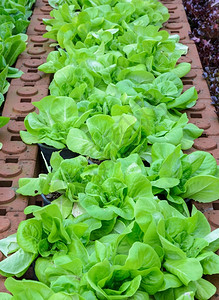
(119, 228)
(14, 15)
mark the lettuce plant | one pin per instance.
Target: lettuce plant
(141, 6)
(57, 115)
(36, 289)
(44, 234)
(92, 72)
(58, 3)
(138, 41)
(109, 18)
(151, 256)
(157, 50)
(81, 81)
(167, 88)
(66, 178)
(111, 137)
(110, 195)
(106, 137)
(24, 289)
(159, 54)
(112, 190)
(204, 33)
(16, 13)
(187, 251)
(161, 126)
(13, 22)
(11, 44)
(88, 94)
(179, 176)
(11, 47)
(120, 240)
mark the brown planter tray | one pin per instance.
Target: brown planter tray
(203, 116)
(40, 3)
(17, 159)
(14, 149)
(177, 13)
(19, 100)
(42, 10)
(38, 47)
(182, 29)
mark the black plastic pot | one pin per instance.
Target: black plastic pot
(30, 274)
(189, 204)
(92, 161)
(48, 150)
(45, 200)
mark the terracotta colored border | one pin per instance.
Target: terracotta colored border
(17, 159)
(202, 114)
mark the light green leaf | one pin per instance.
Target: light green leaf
(17, 263)
(182, 69)
(16, 287)
(77, 141)
(9, 244)
(203, 188)
(186, 270)
(5, 296)
(205, 289)
(29, 234)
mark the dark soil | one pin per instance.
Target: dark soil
(204, 21)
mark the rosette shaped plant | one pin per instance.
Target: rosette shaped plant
(139, 270)
(107, 200)
(161, 254)
(155, 49)
(107, 18)
(111, 137)
(134, 275)
(102, 193)
(107, 137)
(167, 88)
(179, 176)
(65, 180)
(104, 269)
(160, 126)
(81, 80)
(111, 195)
(57, 115)
(188, 247)
(43, 235)
(92, 74)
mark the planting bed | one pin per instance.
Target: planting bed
(16, 158)
(19, 160)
